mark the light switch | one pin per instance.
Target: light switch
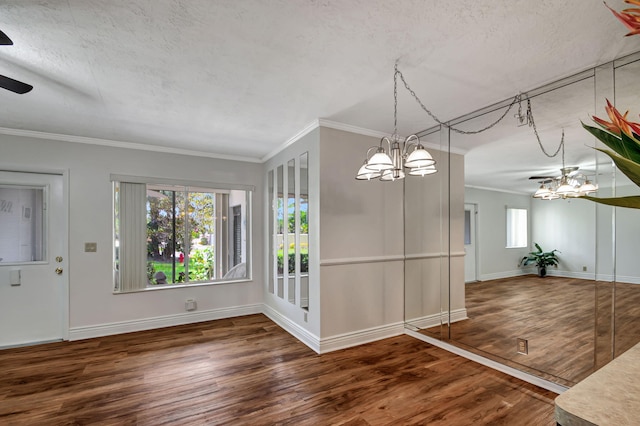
(90, 247)
(15, 277)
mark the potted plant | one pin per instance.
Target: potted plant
(542, 259)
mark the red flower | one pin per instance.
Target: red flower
(619, 122)
(629, 17)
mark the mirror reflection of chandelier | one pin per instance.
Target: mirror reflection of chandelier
(569, 184)
(566, 185)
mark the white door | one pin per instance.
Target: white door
(470, 266)
(33, 242)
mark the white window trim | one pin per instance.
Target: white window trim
(211, 186)
(180, 182)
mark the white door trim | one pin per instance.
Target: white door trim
(64, 173)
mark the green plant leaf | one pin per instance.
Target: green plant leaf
(622, 145)
(630, 168)
(632, 202)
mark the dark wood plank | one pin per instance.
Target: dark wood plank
(567, 322)
(248, 371)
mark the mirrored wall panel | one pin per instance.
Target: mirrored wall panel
(627, 222)
(303, 230)
(531, 304)
(280, 220)
(288, 201)
(425, 241)
(291, 245)
(549, 281)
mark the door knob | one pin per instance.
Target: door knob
(59, 271)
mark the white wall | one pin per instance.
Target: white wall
(570, 227)
(361, 242)
(627, 221)
(94, 309)
(494, 259)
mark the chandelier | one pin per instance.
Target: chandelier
(568, 184)
(392, 155)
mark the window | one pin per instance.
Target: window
(22, 224)
(516, 228)
(467, 227)
(167, 234)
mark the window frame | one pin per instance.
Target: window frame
(508, 219)
(35, 217)
(189, 185)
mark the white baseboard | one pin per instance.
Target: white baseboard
(553, 387)
(318, 345)
(562, 273)
(87, 332)
(627, 280)
(553, 272)
(333, 343)
(292, 328)
(604, 277)
(505, 274)
(435, 320)
(360, 337)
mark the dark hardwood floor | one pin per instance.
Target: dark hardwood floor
(568, 322)
(248, 371)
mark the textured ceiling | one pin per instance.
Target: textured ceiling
(240, 78)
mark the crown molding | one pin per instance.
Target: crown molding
(506, 191)
(351, 129)
(180, 151)
(302, 133)
(122, 144)
(377, 134)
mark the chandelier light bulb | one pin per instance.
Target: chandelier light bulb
(423, 171)
(542, 192)
(420, 157)
(367, 174)
(388, 176)
(588, 188)
(380, 161)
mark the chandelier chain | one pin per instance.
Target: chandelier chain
(395, 101)
(532, 123)
(432, 115)
(516, 99)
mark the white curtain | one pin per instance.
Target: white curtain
(133, 236)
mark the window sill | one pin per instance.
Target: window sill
(173, 286)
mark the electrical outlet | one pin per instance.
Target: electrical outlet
(523, 346)
(584, 269)
(190, 305)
